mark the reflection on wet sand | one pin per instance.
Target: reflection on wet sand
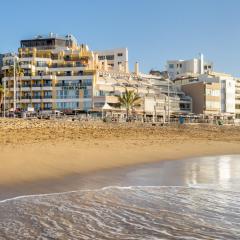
(221, 170)
(189, 199)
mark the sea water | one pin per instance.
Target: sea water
(204, 203)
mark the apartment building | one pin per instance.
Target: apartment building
(56, 73)
(237, 98)
(205, 97)
(51, 72)
(159, 95)
(195, 66)
(115, 59)
(212, 93)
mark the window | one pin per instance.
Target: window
(87, 93)
(171, 66)
(212, 92)
(87, 82)
(110, 57)
(180, 65)
(212, 105)
(119, 63)
(101, 57)
(98, 105)
(120, 54)
(87, 105)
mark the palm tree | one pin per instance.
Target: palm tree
(129, 100)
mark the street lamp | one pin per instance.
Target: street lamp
(168, 102)
(14, 83)
(4, 98)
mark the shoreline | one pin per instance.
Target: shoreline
(88, 181)
(49, 179)
(41, 154)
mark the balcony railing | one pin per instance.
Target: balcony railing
(68, 65)
(26, 97)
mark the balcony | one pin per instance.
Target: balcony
(36, 97)
(47, 97)
(26, 97)
(47, 85)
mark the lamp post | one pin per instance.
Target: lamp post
(14, 83)
(4, 98)
(168, 103)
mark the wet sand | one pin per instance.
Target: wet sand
(41, 156)
(182, 199)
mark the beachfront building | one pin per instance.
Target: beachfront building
(237, 98)
(49, 72)
(160, 97)
(56, 73)
(115, 59)
(213, 93)
(190, 67)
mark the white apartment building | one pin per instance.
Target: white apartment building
(177, 68)
(114, 59)
(159, 96)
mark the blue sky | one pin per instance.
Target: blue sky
(153, 30)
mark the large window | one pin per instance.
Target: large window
(87, 82)
(171, 66)
(68, 94)
(87, 93)
(68, 105)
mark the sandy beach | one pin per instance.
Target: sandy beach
(38, 150)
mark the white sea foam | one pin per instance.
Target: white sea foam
(134, 212)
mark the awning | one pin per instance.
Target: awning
(107, 107)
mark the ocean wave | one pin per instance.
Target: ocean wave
(196, 186)
(134, 212)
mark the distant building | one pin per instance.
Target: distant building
(212, 93)
(115, 59)
(205, 96)
(177, 68)
(51, 41)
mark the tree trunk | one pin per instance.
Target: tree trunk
(127, 113)
(1, 101)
